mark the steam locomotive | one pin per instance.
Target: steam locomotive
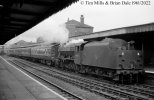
(112, 58)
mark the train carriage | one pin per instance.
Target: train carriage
(24, 52)
(45, 53)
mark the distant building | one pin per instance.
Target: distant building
(20, 43)
(77, 28)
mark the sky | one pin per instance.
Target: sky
(101, 14)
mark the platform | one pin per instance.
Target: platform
(149, 69)
(16, 85)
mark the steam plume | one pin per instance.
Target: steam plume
(74, 41)
(57, 34)
(48, 30)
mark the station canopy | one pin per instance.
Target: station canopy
(17, 16)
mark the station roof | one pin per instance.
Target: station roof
(17, 16)
(131, 30)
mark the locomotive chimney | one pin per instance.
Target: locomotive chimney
(82, 19)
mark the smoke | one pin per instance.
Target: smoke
(58, 34)
(74, 41)
(49, 30)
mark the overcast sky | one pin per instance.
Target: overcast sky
(101, 17)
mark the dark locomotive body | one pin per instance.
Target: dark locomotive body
(112, 58)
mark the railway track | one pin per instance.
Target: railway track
(141, 89)
(19, 64)
(123, 89)
(61, 91)
(110, 91)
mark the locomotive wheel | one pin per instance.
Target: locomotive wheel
(56, 62)
(61, 64)
(131, 78)
(126, 79)
(121, 78)
(72, 66)
(137, 78)
(48, 63)
(80, 69)
(77, 69)
(141, 77)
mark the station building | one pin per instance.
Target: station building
(77, 28)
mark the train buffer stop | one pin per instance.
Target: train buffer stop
(16, 85)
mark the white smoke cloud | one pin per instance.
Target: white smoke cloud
(48, 30)
(58, 34)
(74, 41)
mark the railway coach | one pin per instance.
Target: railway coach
(46, 53)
